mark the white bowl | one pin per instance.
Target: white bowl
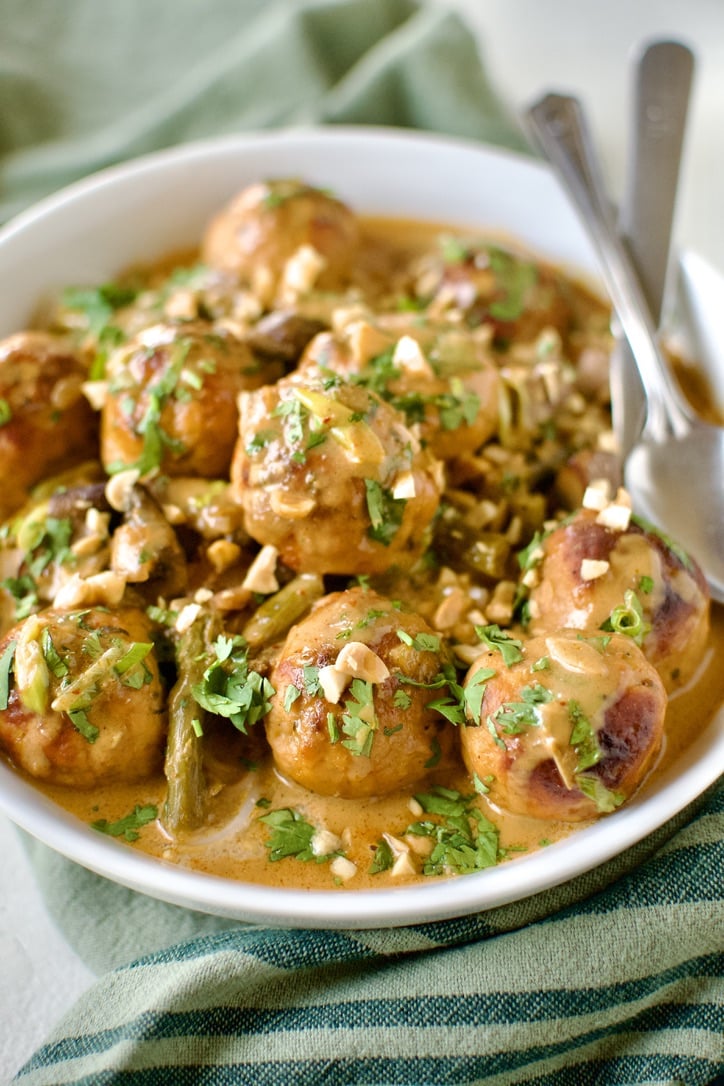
(147, 208)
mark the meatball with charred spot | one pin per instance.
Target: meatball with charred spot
(330, 475)
(171, 400)
(268, 226)
(351, 716)
(47, 424)
(643, 582)
(86, 704)
(569, 729)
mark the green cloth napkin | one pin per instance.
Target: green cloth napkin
(615, 977)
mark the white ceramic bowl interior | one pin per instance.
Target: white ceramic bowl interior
(145, 209)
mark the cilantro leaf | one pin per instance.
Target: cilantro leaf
(129, 826)
(464, 839)
(359, 723)
(291, 836)
(383, 858)
(474, 691)
(385, 512)
(230, 689)
(501, 641)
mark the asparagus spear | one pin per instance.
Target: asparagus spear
(273, 618)
(184, 807)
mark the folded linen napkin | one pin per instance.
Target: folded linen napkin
(614, 977)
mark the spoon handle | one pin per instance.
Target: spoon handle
(559, 126)
(661, 85)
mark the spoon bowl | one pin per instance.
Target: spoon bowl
(675, 472)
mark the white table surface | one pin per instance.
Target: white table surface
(574, 46)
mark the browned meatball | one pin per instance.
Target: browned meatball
(344, 721)
(266, 225)
(86, 704)
(567, 731)
(45, 421)
(441, 380)
(330, 475)
(517, 296)
(171, 399)
(638, 579)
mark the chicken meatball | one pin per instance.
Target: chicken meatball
(593, 572)
(518, 297)
(170, 402)
(441, 380)
(85, 704)
(281, 233)
(352, 715)
(565, 729)
(63, 532)
(331, 476)
(45, 421)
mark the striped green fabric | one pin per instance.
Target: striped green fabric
(621, 986)
(613, 978)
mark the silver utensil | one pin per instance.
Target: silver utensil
(675, 472)
(662, 76)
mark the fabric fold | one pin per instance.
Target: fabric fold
(624, 983)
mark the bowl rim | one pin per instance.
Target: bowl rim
(510, 881)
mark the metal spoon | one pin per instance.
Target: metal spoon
(662, 75)
(675, 473)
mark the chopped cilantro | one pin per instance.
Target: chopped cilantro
(514, 277)
(129, 826)
(435, 753)
(131, 668)
(229, 688)
(464, 839)
(422, 642)
(501, 641)
(291, 695)
(583, 738)
(531, 555)
(46, 541)
(310, 676)
(474, 691)
(513, 717)
(79, 720)
(603, 797)
(401, 699)
(55, 663)
(332, 728)
(385, 512)
(359, 723)
(260, 439)
(291, 836)
(482, 787)
(24, 591)
(384, 857)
